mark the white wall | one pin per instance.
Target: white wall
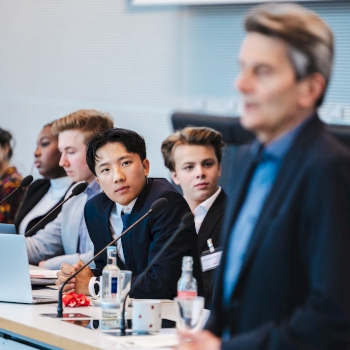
(137, 63)
(60, 56)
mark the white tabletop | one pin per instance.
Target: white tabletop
(26, 322)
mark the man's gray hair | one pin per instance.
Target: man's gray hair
(309, 38)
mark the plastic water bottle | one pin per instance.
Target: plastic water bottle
(109, 302)
(187, 284)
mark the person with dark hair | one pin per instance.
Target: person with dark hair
(10, 179)
(193, 156)
(43, 194)
(65, 239)
(283, 279)
(117, 158)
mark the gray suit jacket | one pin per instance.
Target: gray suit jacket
(58, 241)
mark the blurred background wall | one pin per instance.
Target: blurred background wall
(137, 63)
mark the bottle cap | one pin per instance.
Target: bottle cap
(187, 262)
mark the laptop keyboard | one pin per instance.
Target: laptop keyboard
(38, 298)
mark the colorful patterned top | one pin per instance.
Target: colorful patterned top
(9, 181)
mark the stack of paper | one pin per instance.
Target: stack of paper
(43, 277)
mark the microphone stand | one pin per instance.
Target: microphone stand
(24, 183)
(78, 189)
(9, 195)
(30, 233)
(59, 303)
(186, 220)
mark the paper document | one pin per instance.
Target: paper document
(52, 274)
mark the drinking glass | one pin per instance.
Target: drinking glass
(124, 283)
(189, 313)
(123, 287)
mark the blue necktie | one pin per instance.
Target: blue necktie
(260, 186)
(124, 219)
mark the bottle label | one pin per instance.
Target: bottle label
(187, 294)
(114, 281)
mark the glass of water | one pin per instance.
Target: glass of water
(123, 286)
(189, 313)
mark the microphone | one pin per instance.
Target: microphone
(186, 220)
(79, 188)
(157, 206)
(24, 183)
(75, 192)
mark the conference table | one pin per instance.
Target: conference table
(24, 327)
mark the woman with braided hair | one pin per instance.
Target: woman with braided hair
(10, 179)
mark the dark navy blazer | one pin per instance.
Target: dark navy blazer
(211, 228)
(146, 239)
(293, 291)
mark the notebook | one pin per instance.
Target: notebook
(14, 273)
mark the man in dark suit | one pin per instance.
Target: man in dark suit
(117, 157)
(193, 156)
(284, 278)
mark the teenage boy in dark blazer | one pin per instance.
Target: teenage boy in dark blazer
(193, 156)
(118, 160)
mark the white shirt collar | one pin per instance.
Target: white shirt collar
(126, 209)
(92, 189)
(94, 186)
(201, 211)
(209, 201)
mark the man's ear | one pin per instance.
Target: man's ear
(145, 164)
(220, 170)
(174, 177)
(97, 180)
(311, 89)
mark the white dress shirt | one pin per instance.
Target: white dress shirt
(201, 211)
(116, 222)
(58, 187)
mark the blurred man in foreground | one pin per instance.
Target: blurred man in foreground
(283, 281)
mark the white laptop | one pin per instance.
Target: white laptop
(15, 285)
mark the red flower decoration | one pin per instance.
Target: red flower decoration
(73, 299)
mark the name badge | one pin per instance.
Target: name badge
(211, 261)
